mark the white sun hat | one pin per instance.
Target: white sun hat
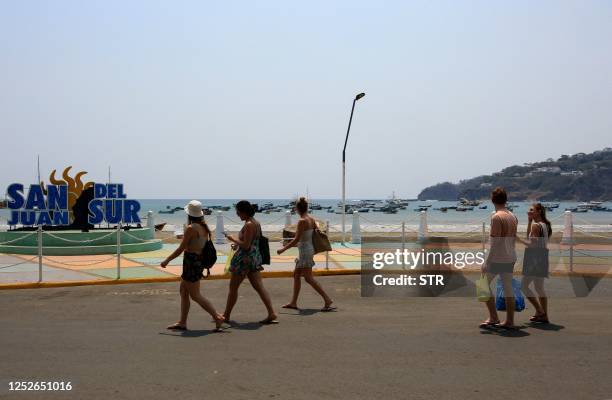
(194, 209)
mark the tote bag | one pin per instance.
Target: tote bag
(320, 241)
(500, 300)
(483, 290)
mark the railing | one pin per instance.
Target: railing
(40, 256)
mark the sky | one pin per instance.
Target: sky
(251, 99)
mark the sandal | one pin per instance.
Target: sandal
(329, 308)
(290, 307)
(488, 324)
(177, 327)
(507, 327)
(268, 321)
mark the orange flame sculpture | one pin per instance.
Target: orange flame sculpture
(75, 185)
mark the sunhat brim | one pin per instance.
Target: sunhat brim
(186, 208)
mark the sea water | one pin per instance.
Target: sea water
(450, 220)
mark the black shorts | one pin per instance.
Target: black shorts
(500, 268)
(192, 267)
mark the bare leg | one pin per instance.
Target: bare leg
(194, 293)
(530, 295)
(185, 304)
(539, 287)
(297, 285)
(257, 283)
(309, 278)
(509, 296)
(493, 317)
(232, 295)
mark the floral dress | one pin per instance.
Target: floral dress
(246, 261)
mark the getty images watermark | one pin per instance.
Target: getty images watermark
(432, 269)
(405, 259)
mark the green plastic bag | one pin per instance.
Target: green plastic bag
(228, 262)
(483, 290)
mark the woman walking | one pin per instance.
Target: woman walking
(195, 236)
(305, 261)
(246, 262)
(535, 263)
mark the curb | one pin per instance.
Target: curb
(99, 282)
(265, 274)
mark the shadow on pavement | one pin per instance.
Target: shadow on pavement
(513, 333)
(545, 327)
(191, 333)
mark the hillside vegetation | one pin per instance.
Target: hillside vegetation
(579, 177)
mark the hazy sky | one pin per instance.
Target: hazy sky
(251, 99)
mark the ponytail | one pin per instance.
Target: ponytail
(542, 211)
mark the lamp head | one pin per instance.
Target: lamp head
(360, 95)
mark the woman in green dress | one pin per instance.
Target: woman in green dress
(246, 262)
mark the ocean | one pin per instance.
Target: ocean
(450, 220)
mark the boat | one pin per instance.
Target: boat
(168, 210)
(577, 209)
(464, 208)
(363, 210)
(469, 203)
(483, 207)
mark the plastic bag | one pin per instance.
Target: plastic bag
(483, 291)
(500, 300)
(228, 262)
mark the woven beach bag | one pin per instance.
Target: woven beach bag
(320, 241)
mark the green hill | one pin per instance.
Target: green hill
(579, 177)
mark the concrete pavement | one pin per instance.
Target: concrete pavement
(111, 342)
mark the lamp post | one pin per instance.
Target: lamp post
(359, 96)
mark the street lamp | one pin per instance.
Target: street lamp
(359, 96)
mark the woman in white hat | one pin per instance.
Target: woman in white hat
(195, 236)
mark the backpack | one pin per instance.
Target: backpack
(264, 247)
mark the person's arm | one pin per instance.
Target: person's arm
(187, 236)
(249, 235)
(536, 232)
(496, 231)
(299, 231)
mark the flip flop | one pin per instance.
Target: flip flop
(488, 324)
(290, 307)
(218, 330)
(329, 308)
(177, 327)
(268, 321)
(507, 327)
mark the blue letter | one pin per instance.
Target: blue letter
(99, 190)
(57, 197)
(112, 191)
(131, 208)
(120, 194)
(95, 212)
(60, 218)
(44, 218)
(36, 198)
(114, 209)
(15, 193)
(14, 218)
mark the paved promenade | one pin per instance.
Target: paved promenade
(15, 269)
(111, 342)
